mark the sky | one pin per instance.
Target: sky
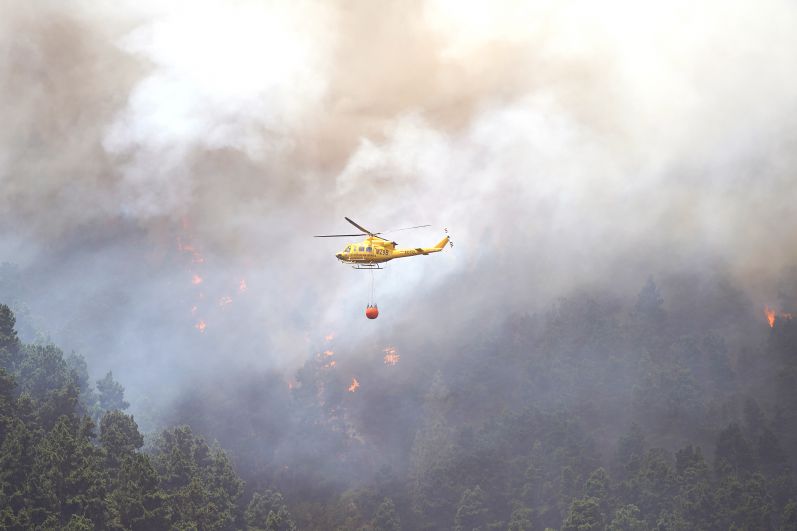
(164, 166)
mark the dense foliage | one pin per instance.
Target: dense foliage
(596, 415)
(58, 471)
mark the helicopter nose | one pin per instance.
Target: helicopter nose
(339, 256)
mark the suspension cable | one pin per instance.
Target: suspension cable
(372, 287)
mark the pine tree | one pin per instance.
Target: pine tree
(134, 499)
(87, 400)
(472, 512)
(267, 512)
(584, 515)
(386, 518)
(627, 518)
(203, 490)
(111, 394)
(521, 519)
(9, 342)
(67, 477)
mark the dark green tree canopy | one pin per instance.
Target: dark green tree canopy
(119, 434)
(594, 414)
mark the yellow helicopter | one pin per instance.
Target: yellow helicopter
(375, 250)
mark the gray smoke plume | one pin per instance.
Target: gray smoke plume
(163, 168)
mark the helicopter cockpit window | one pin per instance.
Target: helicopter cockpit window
(362, 249)
(346, 250)
(368, 250)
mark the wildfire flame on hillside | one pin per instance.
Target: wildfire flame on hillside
(770, 313)
(187, 248)
(196, 279)
(391, 357)
(773, 316)
(325, 356)
(354, 385)
(200, 309)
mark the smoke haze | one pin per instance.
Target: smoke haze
(163, 168)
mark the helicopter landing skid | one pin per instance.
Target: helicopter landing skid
(367, 266)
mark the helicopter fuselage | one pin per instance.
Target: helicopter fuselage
(376, 250)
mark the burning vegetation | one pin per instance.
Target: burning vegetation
(391, 356)
(326, 359)
(773, 316)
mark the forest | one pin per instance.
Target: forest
(675, 410)
(609, 342)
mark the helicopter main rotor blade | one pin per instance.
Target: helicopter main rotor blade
(338, 235)
(405, 228)
(359, 227)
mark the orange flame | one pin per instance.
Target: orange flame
(329, 337)
(391, 357)
(242, 286)
(770, 313)
(324, 357)
(354, 385)
(196, 279)
(201, 325)
(772, 316)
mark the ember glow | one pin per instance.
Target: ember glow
(329, 337)
(196, 279)
(187, 248)
(224, 301)
(242, 286)
(354, 385)
(328, 353)
(391, 357)
(201, 325)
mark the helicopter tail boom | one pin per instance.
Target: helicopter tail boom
(426, 250)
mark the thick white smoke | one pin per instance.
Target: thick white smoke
(562, 144)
